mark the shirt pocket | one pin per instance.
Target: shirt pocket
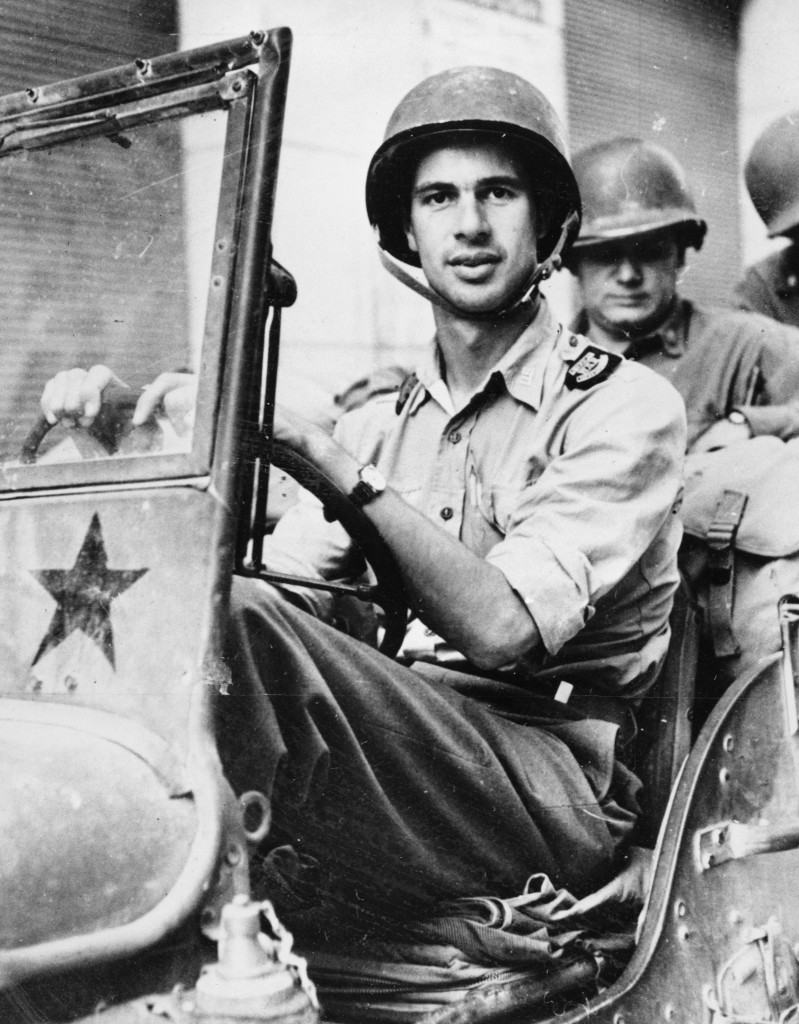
(496, 502)
(495, 505)
(505, 502)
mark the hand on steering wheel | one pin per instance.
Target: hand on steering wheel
(97, 410)
(75, 397)
(97, 401)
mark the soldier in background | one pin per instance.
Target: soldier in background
(771, 286)
(738, 373)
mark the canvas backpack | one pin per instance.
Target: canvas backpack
(740, 551)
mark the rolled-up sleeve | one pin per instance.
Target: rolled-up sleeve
(600, 503)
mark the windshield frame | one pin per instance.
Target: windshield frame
(109, 113)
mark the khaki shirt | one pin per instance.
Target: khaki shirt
(570, 493)
(771, 286)
(720, 360)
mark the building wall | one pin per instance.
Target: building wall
(353, 60)
(50, 40)
(63, 302)
(768, 82)
(665, 71)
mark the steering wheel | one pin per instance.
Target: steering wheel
(387, 592)
(111, 428)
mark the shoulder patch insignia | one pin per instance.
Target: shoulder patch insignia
(592, 366)
(405, 391)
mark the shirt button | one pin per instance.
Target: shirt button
(573, 342)
(454, 437)
(446, 513)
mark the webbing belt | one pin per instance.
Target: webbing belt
(721, 571)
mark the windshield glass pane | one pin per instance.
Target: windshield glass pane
(105, 254)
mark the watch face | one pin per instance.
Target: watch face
(736, 417)
(374, 478)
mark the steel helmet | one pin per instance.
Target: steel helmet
(772, 174)
(631, 187)
(468, 100)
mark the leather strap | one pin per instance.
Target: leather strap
(721, 571)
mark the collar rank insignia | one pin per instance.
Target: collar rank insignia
(593, 366)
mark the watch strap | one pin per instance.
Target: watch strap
(371, 484)
(362, 494)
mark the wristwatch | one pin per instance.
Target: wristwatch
(371, 484)
(736, 416)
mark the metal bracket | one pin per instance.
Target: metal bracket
(788, 610)
(732, 840)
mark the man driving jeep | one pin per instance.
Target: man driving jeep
(526, 486)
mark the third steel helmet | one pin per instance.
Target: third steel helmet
(631, 187)
(772, 174)
(468, 100)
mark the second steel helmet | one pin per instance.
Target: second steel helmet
(468, 100)
(632, 187)
(772, 174)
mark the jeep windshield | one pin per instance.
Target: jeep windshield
(116, 227)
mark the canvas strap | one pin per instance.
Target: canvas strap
(721, 571)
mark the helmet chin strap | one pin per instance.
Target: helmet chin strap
(400, 272)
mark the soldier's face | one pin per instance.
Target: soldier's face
(629, 286)
(473, 224)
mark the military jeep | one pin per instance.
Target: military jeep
(144, 196)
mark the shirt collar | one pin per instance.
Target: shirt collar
(671, 337)
(521, 367)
